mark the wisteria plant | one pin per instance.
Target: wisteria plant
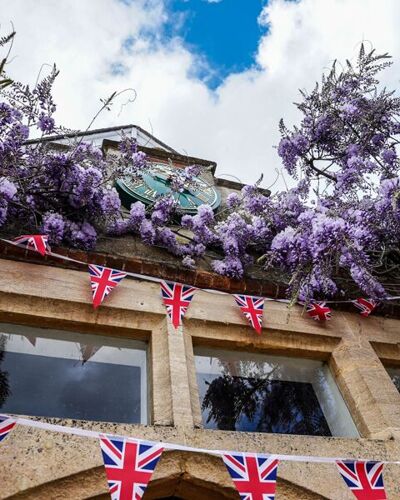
(65, 192)
(336, 233)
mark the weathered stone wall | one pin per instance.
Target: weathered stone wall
(36, 464)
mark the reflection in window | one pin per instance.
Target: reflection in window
(395, 376)
(257, 393)
(62, 374)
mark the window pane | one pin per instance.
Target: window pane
(62, 374)
(395, 376)
(257, 393)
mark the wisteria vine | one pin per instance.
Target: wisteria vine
(335, 234)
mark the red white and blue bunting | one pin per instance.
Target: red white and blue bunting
(319, 311)
(252, 309)
(177, 296)
(129, 464)
(366, 306)
(253, 475)
(7, 424)
(365, 479)
(36, 242)
(103, 280)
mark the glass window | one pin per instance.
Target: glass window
(395, 376)
(53, 373)
(258, 393)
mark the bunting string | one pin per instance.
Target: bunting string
(77, 431)
(153, 279)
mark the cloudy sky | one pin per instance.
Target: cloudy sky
(212, 77)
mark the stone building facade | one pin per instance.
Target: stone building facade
(43, 298)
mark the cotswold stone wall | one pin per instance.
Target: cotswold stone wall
(37, 464)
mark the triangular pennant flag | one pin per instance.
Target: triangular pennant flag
(366, 306)
(103, 280)
(129, 466)
(253, 475)
(252, 309)
(176, 298)
(365, 479)
(7, 424)
(319, 311)
(31, 339)
(37, 242)
(87, 351)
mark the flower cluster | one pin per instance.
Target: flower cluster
(348, 129)
(338, 230)
(68, 194)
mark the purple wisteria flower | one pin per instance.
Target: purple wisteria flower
(53, 225)
(389, 156)
(164, 208)
(337, 232)
(80, 235)
(291, 148)
(68, 195)
(233, 201)
(46, 123)
(7, 189)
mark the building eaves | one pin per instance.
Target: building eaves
(89, 133)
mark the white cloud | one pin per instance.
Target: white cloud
(236, 125)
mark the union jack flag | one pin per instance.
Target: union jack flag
(365, 479)
(252, 309)
(253, 475)
(37, 242)
(103, 280)
(319, 311)
(176, 298)
(129, 466)
(366, 306)
(7, 424)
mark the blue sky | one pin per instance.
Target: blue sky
(226, 33)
